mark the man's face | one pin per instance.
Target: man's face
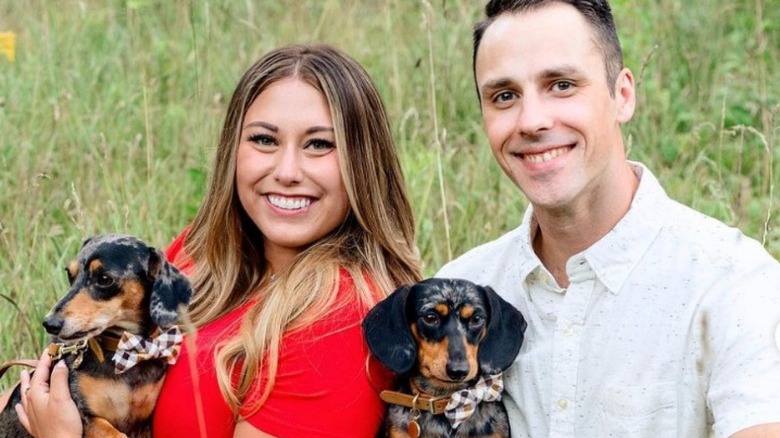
(551, 121)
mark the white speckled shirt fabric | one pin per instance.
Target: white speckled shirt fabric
(666, 329)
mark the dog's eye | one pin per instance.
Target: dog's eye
(430, 319)
(477, 321)
(104, 280)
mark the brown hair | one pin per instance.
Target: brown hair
(375, 243)
(596, 12)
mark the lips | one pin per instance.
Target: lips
(289, 202)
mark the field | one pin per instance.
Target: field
(110, 112)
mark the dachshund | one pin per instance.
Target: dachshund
(123, 294)
(448, 340)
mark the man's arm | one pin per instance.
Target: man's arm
(768, 430)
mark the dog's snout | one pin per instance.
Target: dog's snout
(53, 324)
(457, 370)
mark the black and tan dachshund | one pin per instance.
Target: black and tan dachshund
(119, 286)
(443, 337)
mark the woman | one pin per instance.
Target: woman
(306, 225)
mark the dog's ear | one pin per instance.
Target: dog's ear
(171, 290)
(504, 335)
(387, 332)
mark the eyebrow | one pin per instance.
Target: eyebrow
(275, 129)
(494, 84)
(562, 71)
(550, 73)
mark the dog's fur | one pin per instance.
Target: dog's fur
(442, 335)
(117, 283)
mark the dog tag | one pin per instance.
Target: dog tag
(413, 429)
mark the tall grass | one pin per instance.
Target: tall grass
(110, 113)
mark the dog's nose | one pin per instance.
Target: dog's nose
(457, 370)
(53, 324)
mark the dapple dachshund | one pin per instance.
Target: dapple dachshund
(445, 338)
(119, 287)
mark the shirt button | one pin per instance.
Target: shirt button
(563, 404)
(568, 331)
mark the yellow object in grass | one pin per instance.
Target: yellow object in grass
(8, 45)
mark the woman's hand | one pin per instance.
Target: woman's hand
(48, 410)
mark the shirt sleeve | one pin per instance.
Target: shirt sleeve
(745, 379)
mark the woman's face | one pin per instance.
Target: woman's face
(287, 169)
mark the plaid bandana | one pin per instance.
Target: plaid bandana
(463, 403)
(133, 348)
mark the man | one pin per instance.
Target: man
(646, 318)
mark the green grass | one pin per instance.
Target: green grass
(110, 114)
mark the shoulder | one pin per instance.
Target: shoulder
(702, 237)
(475, 261)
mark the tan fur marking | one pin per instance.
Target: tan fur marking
(107, 399)
(466, 312)
(73, 268)
(83, 313)
(432, 356)
(116, 402)
(100, 428)
(82, 309)
(442, 309)
(471, 358)
(132, 294)
(94, 265)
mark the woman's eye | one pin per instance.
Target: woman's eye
(262, 139)
(104, 280)
(318, 146)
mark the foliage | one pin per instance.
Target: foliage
(111, 110)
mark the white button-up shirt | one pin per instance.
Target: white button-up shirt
(667, 328)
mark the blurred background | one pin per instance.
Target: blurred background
(110, 113)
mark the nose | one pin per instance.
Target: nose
(287, 168)
(457, 364)
(457, 369)
(53, 324)
(534, 115)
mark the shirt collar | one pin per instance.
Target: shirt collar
(616, 254)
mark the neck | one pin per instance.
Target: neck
(575, 227)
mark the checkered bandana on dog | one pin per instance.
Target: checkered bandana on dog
(463, 403)
(133, 349)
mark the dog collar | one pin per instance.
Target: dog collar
(423, 402)
(457, 407)
(97, 344)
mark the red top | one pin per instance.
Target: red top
(322, 387)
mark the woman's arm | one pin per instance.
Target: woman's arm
(48, 410)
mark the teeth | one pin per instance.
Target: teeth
(547, 156)
(289, 203)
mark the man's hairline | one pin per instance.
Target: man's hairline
(596, 38)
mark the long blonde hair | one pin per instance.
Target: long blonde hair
(374, 244)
